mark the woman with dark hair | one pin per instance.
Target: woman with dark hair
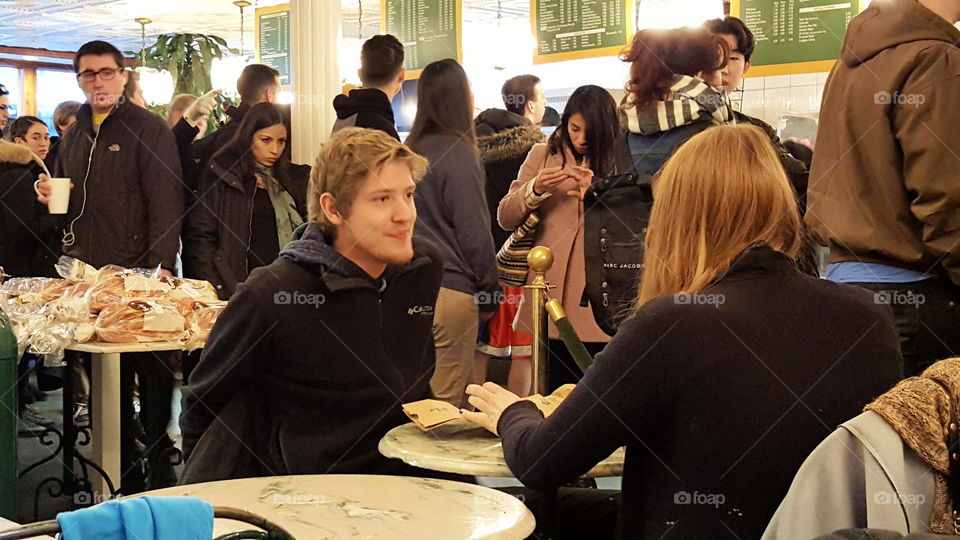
(552, 181)
(33, 133)
(452, 212)
(251, 198)
(29, 239)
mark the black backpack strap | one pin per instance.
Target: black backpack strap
(623, 159)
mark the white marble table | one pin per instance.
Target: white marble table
(317, 507)
(464, 448)
(6, 524)
(105, 401)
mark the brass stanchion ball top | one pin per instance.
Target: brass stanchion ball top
(540, 259)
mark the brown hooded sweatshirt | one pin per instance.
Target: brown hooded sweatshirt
(885, 181)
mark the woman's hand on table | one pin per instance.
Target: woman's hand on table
(490, 401)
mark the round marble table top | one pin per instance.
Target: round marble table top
(464, 448)
(315, 507)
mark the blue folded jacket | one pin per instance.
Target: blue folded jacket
(144, 518)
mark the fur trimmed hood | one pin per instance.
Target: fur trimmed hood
(509, 143)
(18, 154)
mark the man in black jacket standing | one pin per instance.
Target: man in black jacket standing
(308, 366)
(125, 209)
(258, 83)
(382, 73)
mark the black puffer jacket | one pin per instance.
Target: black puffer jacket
(195, 156)
(29, 235)
(217, 232)
(127, 202)
(307, 368)
(505, 140)
(366, 108)
(493, 121)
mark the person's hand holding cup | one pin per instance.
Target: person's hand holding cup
(53, 192)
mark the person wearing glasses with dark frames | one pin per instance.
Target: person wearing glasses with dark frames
(125, 209)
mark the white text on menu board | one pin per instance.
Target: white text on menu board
(577, 25)
(415, 27)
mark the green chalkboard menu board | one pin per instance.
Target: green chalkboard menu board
(569, 29)
(795, 36)
(273, 40)
(428, 29)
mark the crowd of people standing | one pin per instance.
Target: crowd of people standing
(732, 359)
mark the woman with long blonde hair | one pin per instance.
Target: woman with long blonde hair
(699, 224)
(731, 369)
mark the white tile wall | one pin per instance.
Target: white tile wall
(803, 79)
(777, 81)
(769, 98)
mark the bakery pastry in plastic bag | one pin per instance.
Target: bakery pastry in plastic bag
(120, 287)
(140, 321)
(55, 289)
(187, 292)
(105, 291)
(25, 285)
(200, 321)
(75, 270)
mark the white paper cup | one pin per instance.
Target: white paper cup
(59, 198)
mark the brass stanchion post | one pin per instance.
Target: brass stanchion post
(540, 259)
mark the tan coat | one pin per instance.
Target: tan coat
(561, 230)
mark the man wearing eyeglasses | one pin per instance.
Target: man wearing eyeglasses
(125, 209)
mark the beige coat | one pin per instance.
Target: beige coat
(561, 230)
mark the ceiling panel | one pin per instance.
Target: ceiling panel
(67, 24)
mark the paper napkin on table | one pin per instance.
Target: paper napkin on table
(428, 414)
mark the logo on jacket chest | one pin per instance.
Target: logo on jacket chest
(114, 147)
(425, 310)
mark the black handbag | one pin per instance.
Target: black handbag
(616, 212)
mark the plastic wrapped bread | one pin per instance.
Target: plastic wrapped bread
(104, 292)
(55, 289)
(26, 286)
(75, 270)
(200, 321)
(125, 286)
(188, 292)
(140, 321)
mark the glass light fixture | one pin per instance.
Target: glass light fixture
(157, 86)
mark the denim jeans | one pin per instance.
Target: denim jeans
(927, 317)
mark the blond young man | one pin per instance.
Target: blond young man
(307, 368)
